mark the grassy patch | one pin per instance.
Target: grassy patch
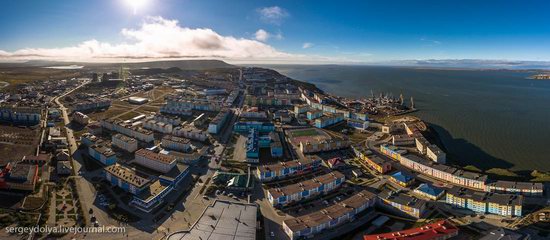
(501, 172)
(540, 176)
(472, 168)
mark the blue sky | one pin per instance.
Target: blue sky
(265, 31)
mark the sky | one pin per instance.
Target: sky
(293, 31)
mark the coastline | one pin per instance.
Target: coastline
(432, 133)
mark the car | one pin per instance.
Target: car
(205, 197)
(272, 234)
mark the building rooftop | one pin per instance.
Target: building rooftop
(305, 185)
(276, 167)
(517, 185)
(127, 174)
(152, 190)
(329, 213)
(402, 177)
(176, 139)
(104, 150)
(402, 198)
(223, 220)
(162, 158)
(124, 138)
(429, 189)
(437, 230)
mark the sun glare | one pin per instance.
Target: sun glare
(136, 4)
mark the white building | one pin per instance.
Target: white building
(124, 142)
(217, 123)
(81, 118)
(175, 121)
(176, 143)
(190, 132)
(434, 153)
(158, 126)
(156, 161)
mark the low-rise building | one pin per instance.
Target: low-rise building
(217, 123)
(176, 143)
(434, 153)
(373, 161)
(103, 154)
(156, 161)
(402, 179)
(81, 118)
(124, 142)
(429, 192)
(314, 114)
(523, 188)
(329, 120)
(252, 146)
(191, 133)
(402, 140)
(306, 189)
(20, 114)
(402, 203)
(281, 170)
(261, 127)
(126, 178)
(508, 205)
(276, 148)
(19, 176)
(439, 230)
(157, 126)
(312, 224)
(358, 124)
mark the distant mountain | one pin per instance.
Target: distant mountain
(181, 64)
(472, 63)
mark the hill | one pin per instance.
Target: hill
(181, 64)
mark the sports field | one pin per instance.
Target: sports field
(307, 135)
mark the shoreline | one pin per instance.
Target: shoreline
(520, 175)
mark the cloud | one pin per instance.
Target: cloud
(273, 15)
(262, 35)
(159, 38)
(307, 45)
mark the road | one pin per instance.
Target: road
(84, 197)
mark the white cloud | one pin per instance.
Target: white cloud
(273, 15)
(307, 45)
(262, 35)
(158, 38)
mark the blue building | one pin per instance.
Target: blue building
(148, 191)
(428, 191)
(252, 145)
(21, 115)
(402, 179)
(103, 154)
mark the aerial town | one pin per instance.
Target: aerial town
(239, 153)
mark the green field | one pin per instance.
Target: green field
(304, 133)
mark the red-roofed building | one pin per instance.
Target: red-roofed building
(438, 231)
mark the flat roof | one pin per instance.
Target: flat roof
(124, 138)
(162, 158)
(329, 213)
(434, 230)
(176, 139)
(127, 174)
(305, 185)
(275, 167)
(223, 221)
